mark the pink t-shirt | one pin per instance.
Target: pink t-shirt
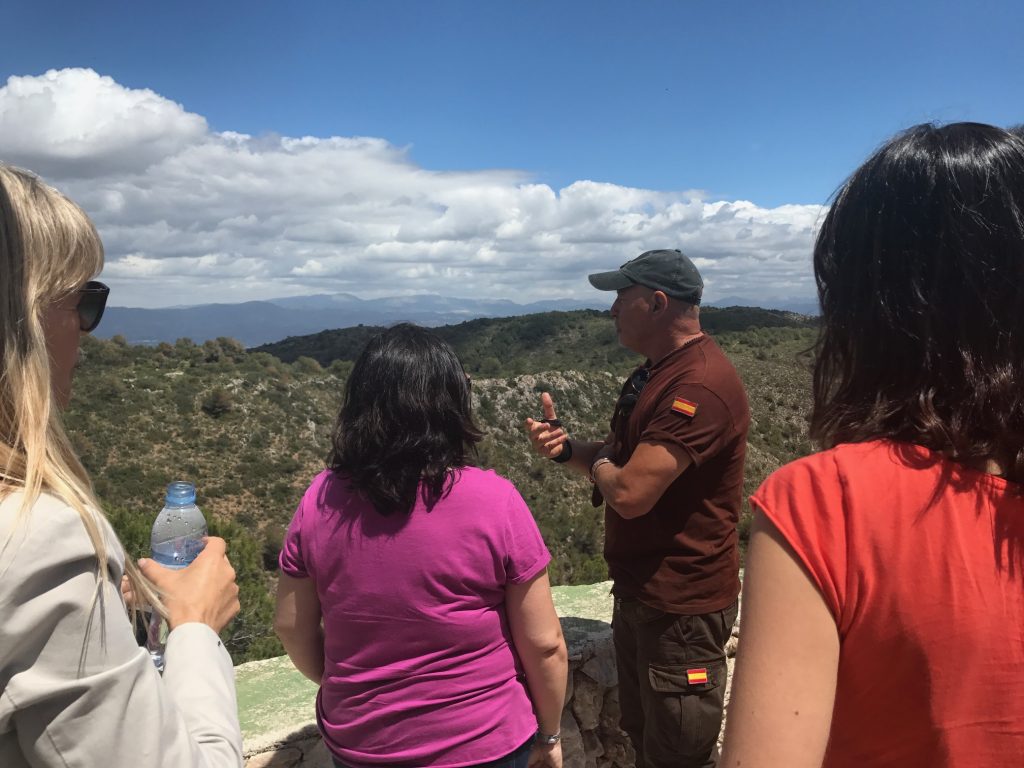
(419, 667)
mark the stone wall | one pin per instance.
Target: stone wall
(591, 737)
(303, 748)
(276, 703)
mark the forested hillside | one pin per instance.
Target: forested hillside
(251, 430)
(584, 340)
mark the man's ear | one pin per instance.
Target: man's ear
(659, 301)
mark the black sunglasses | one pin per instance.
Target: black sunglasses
(631, 390)
(92, 300)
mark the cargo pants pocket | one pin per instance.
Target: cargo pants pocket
(686, 704)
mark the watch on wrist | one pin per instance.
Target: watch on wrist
(548, 739)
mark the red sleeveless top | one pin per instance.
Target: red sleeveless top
(921, 562)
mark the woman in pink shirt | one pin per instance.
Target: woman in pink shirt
(414, 587)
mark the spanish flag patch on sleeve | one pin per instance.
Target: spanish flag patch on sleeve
(685, 407)
(697, 676)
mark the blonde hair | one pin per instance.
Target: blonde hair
(48, 249)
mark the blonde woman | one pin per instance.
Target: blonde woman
(75, 689)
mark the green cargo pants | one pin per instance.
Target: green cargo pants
(672, 675)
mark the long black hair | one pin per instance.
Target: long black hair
(406, 420)
(920, 272)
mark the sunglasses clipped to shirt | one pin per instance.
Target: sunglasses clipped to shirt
(92, 300)
(631, 390)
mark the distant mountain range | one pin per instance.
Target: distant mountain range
(800, 306)
(260, 322)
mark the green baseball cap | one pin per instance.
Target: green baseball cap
(667, 270)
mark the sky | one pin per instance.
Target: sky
(236, 151)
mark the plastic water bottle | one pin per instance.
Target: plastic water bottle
(179, 534)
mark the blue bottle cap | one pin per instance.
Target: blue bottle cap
(180, 494)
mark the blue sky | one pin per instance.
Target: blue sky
(772, 103)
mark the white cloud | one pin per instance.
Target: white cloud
(73, 122)
(189, 215)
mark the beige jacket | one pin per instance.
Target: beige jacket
(75, 689)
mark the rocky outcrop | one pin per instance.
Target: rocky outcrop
(304, 748)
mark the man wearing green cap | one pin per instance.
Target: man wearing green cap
(671, 476)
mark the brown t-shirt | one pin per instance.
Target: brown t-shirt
(682, 556)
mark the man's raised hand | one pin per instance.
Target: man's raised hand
(546, 435)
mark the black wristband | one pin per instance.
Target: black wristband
(565, 454)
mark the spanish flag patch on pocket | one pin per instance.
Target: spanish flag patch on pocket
(697, 676)
(685, 407)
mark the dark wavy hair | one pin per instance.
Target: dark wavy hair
(406, 422)
(920, 272)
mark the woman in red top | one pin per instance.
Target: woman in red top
(883, 609)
